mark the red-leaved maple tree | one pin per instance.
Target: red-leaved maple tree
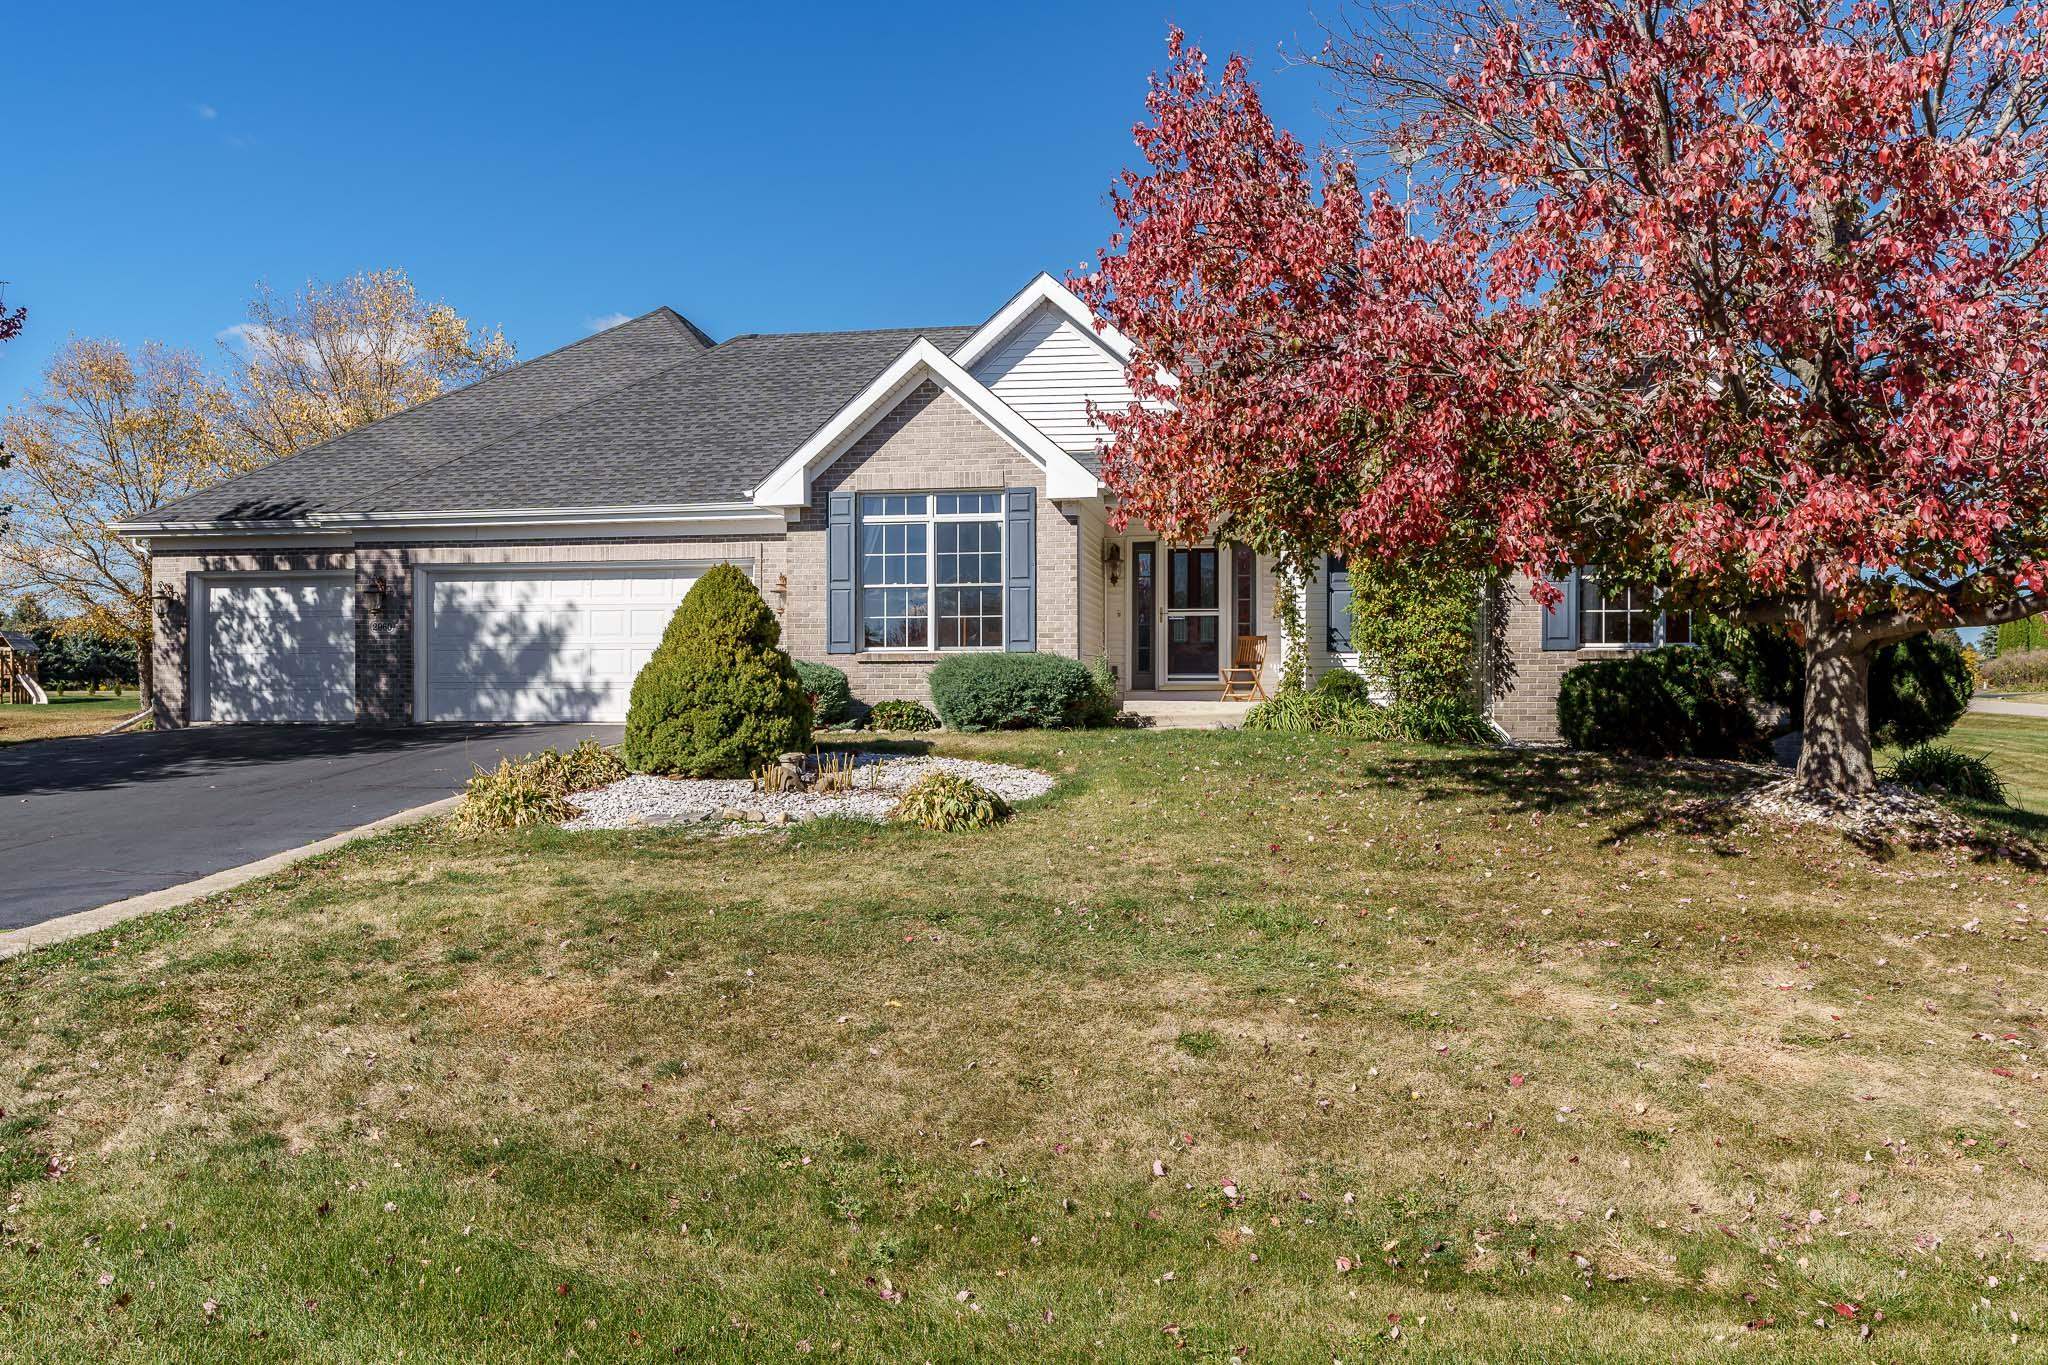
(1739, 300)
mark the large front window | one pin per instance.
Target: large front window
(1617, 614)
(931, 570)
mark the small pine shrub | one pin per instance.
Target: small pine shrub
(513, 796)
(720, 697)
(831, 695)
(1014, 692)
(1342, 682)
(1937, 768)
(1105, 701)
(946, 802)
(1919, 687)
(905, 716)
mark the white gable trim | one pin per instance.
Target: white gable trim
(1044, 291)
(790, 485)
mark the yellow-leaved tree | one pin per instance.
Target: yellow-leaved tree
(109, 435)
(334, 356)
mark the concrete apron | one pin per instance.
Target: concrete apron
(62, 929)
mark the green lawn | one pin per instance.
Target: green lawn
(68, 714)
(1236, 1045)
(2018, 749)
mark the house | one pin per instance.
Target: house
(512, 551)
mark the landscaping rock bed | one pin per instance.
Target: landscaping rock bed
(878, 781)
(1892, 814)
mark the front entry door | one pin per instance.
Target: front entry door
(1194, 616)
(1144, 601)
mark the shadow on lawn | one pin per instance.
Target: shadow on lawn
(1693, 797)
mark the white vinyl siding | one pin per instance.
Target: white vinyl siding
(1049, 372)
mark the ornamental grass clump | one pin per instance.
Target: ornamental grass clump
(512, 796)
(1318, 713)
(534, 790)
(1941, 770)
(720, 697)
(946, 802)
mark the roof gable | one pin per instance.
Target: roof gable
(789, 485)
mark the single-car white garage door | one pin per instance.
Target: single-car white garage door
(275, 647)
(541, 644)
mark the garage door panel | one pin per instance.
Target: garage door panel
(278, 649)
(527, 645)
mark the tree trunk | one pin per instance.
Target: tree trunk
(1834, 755)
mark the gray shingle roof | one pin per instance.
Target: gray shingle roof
(647, 413)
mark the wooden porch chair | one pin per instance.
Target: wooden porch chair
(1245, 678)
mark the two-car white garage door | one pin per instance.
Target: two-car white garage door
(492, 644)
(539, 645)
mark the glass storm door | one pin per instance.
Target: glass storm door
(1194, 619)
(1144, 601)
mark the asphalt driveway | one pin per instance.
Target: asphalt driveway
(84, 822)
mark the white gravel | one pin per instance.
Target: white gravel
(879, 779)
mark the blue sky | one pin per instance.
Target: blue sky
(544, 166)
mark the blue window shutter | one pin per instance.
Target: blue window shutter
(839, 584)
(1020, 569)
(1561, 622)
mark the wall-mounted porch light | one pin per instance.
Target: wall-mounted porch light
(1113, 560)
(375, 593)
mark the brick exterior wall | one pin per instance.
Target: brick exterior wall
(170, 649)
(1528, 709)
(384, 642)
(929, 442)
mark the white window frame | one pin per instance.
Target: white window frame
(1658, 613)
(930, 519)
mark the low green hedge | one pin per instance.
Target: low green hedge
(831, 695)
(1016, 692)
(907, 717)
(1342, 682)
(1659, 703)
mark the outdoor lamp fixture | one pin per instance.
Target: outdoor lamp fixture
(374, 593)
(1113, 560)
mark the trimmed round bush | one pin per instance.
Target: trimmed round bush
(1949, 772)
(1919, 687)
(831, 696)
(906, 716)
(719, 698)
(946, 801)
(1660, 703)
(1014, 692)
(1342, 682)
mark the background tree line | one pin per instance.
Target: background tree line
(114, 431)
